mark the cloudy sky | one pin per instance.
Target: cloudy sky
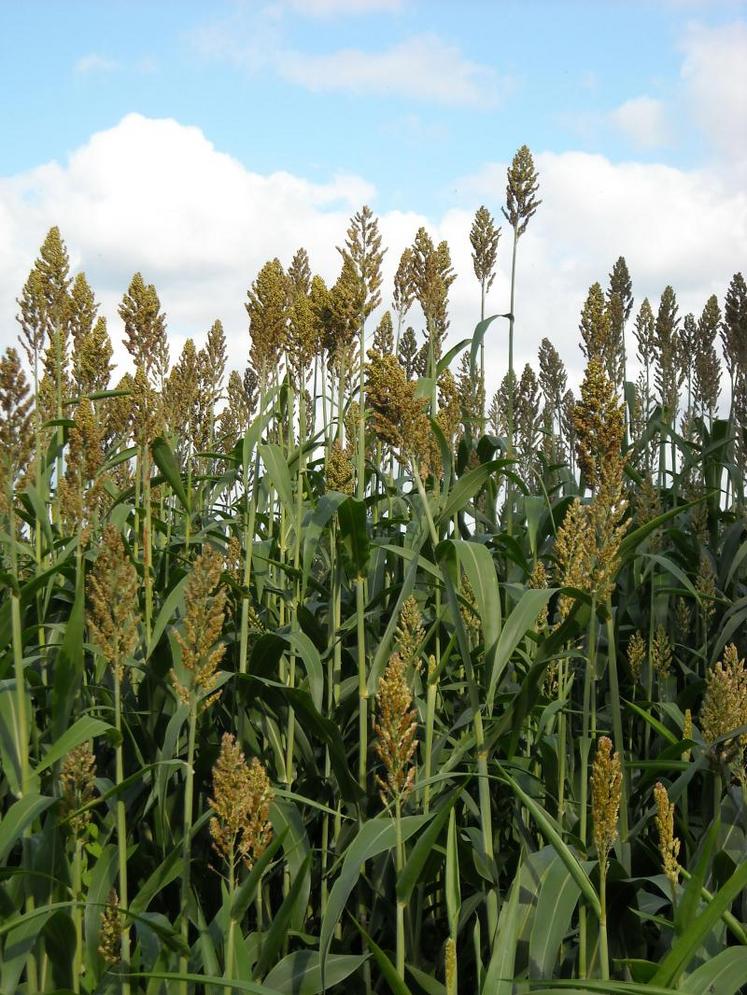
(193, 141)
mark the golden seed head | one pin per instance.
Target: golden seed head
(339, 474)
(145, 326)
(687, 730)
(242, 795)
(396, 729)
(661, 652)
(81, 494)
(574, 552)
(599, 423)
(16, 437)
(522, 184)
(78, 783)
(205, 601)
(468, 607)
(538, 581)
(147, 410)
(636, 654)
(113, 615)
(725, 704)
(683, 617)
(235, 559)
(484, 238)
(450, 964)
(410, 633)
(111, 930)
(398, 416)
(606, 790)
(705, 585)
(449, 405)
(669, 845)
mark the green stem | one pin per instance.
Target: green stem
(121, 825)
(77, 919)
(585, 749)
(510, 398)
(360, 609)
(603, 950)
(617, 730)
(187, 841)
(430, 713)
(147, 549)
(229, 956)
(401, 906)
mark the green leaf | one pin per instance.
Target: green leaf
(515, 628)
(686, 946)
(328, 732)
(477, 339)
(653, 722)
(633, 539)
(445, 361)
(499, 977)
(351, 515)
(723, 975)
(41, 513)
(274, 460)
(300, 973)
(166, 612)
(388, 970)
(687, 907)
(277, 934)
(84, 729)
(18, 818)
(59, 944)
(166, 872)
(166, 462)
(558, 897)
(247, 890)
(303, 647)
(68, 668)
(452, 888)
(314, 526)
(374, 837)
(286, 820)
(550, 831)
(410, 873)
(674, 570)
(207, 979)
(477, 562)
(468, 485)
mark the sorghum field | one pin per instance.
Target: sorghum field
(333, 674)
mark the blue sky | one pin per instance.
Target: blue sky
(192, 141)
(545, 73)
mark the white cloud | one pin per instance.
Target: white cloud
(95, 63)
(715, 74)
(423, 68)
(330, 8)
(157, 196)
(643, 121)
(687, 228)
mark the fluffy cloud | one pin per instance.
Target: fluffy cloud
(156, 196)
(95, 63)
(715, 74)
(330, 8)
(421, 68)
(643, 121)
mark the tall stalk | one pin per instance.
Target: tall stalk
(187, 843)
(121, 825)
